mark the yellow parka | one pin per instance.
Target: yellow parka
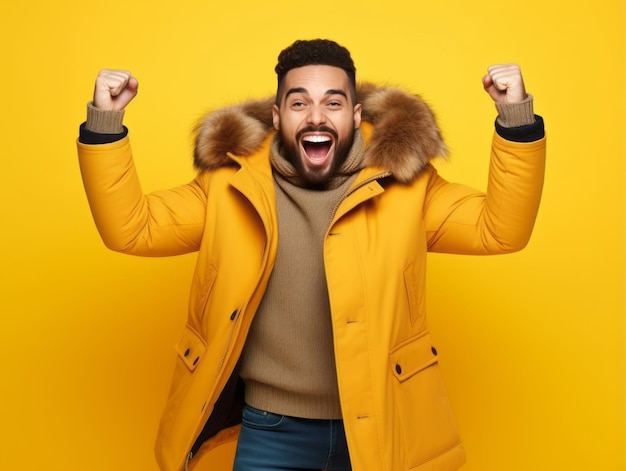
(395, 409)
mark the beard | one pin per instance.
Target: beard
(317, 177)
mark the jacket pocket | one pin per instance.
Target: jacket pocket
(191, 348)
(421, 403)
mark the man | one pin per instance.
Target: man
(307, 338)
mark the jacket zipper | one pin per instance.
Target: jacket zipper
(219, 370)
(352, 190)
(234, 316)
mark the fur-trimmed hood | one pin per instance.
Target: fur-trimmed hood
(405, 137)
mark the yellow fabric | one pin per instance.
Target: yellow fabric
(394, 404)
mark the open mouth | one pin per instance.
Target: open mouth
(317, 147)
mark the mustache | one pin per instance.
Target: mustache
(324, 129)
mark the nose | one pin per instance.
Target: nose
(316, 116)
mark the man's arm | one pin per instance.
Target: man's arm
(463, 220)
(161, 223)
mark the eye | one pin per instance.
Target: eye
(298, 104)
(335, 104)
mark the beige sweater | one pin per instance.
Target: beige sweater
(288, 364)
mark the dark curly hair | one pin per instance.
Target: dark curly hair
(314, 52)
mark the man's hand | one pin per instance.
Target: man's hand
(114, 89)
(504, 83)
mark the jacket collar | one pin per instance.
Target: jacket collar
(403, 139)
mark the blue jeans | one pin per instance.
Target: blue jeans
(270, 442)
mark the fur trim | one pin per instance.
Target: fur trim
(405, 137)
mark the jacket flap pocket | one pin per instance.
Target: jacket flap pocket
(191, 348)
(412, 356)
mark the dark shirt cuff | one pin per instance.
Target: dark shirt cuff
(85, 136)
(529, 133)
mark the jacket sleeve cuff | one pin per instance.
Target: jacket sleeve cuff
(528, 133)
(86, 136)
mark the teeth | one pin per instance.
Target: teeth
(316, 139)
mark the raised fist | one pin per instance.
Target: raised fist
(114, 89)
(504, 83)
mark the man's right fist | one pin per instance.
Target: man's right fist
(114, 89)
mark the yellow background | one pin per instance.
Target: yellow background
(532, 344)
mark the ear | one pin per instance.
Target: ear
(357, 115)
(275, 117)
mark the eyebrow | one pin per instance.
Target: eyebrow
(330, 92)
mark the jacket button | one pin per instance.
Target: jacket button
(434, 350)
(234, 314)
(398, 369)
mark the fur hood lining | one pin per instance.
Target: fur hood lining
(405, 136)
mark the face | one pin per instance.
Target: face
(316, 119)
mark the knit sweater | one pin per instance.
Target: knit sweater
(288, 364)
